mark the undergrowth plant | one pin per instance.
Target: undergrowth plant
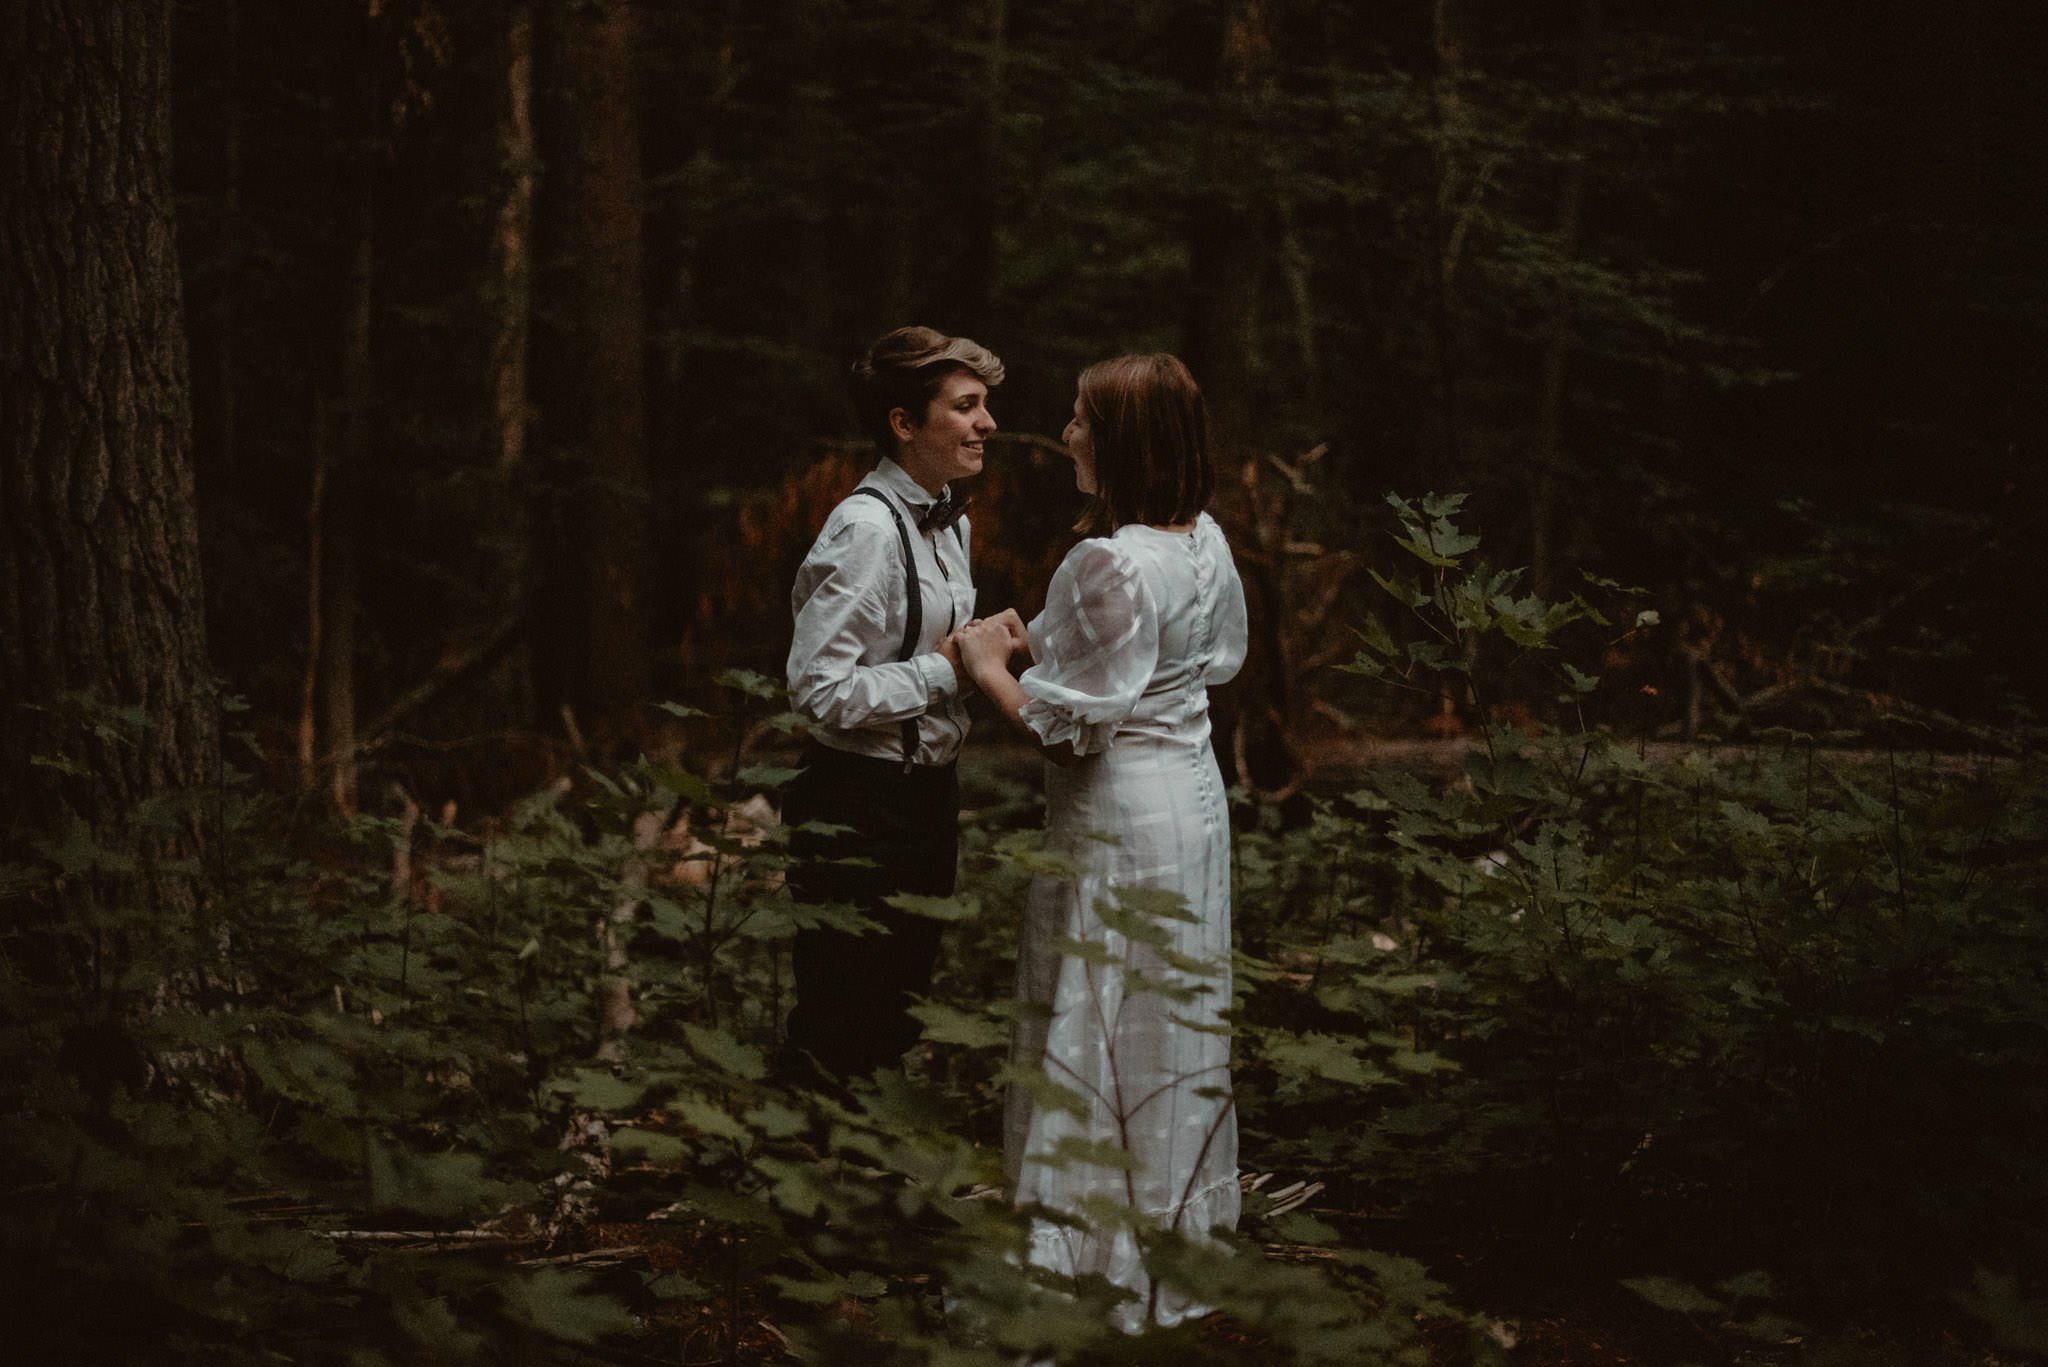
(1773, 1017)
(1762, 1031)
(372, 1105)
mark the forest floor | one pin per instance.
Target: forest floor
(1537, 1324)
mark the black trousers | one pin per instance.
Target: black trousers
(853, 991)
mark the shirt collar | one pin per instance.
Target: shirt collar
(894, 479)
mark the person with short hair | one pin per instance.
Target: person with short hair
(873, 666)
(1140, 620)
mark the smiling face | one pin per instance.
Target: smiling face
(949, 443)
(1081, 447)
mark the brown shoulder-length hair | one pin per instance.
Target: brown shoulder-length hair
(1150, 431)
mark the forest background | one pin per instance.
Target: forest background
(477, 384)
(1736, 303)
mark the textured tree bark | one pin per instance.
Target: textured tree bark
(316, 627)
(987, 27)
(339, 503)
(592, 621)
(1447, 33)
(225, 424)
(1227, 236)
(1547, 468)
(513, 245)
(341, 516)
(99, 545)
(512, 252)
(1227, 240)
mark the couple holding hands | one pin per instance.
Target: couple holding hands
(1111, 682)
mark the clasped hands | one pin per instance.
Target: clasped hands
(986, 645)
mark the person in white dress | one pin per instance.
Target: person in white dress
(1129, 953)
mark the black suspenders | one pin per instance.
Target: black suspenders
(913, 625)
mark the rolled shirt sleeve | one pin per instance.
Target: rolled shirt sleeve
(940, 680)
(851, 604)
(843, 673)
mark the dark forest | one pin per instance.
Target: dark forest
(413, 414)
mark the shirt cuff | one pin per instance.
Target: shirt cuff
(939, 679)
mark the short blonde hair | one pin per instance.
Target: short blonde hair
(904, 369)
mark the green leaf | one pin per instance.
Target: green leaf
(433, 1323)
(1421, 550)
(1754, 1285)
(556, 1301)
(1072, 1150)
(717, 1047)
(1667, 1293)
(706, 1117)
(674, 1287)
(955, 908)
(437, 1185)
(945, 1025)
(1087, 951)
(1401, 590)
(691, 788)
(776, 1120)
(1422, 1061)
(765, 776)
(1298, 1228)
(1044, 1093)
(750, 683)
(1446, 539)
(597, 1089)
(648, 1146)
(1322, 1056)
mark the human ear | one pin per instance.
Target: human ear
(901, 425)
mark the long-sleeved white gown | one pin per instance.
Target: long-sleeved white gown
(1136, 627)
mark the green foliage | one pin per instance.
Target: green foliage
(1773, 1007)
(346, 1117)
(1660, 1020)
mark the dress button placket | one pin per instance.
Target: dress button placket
(1198, 655)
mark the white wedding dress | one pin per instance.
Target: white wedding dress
(1135, 629)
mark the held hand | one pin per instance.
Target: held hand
(984, 646)
(1013, 628)
(949, 651)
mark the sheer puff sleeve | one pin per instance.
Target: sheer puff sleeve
(1096, 643)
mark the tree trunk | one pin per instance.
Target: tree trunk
(591, 621)
(1547, 467)
(513, 246)
(340, 507)
(988, 27)
(226, 422)
(99, 545)
(512, 250)
(1447, 31)
(1227, 239)
(341, 514)
(316, 599)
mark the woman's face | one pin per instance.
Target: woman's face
(1082, 448)
(950, 443)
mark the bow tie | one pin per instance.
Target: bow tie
(942, 513)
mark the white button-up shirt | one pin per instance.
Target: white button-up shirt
(851, 608)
